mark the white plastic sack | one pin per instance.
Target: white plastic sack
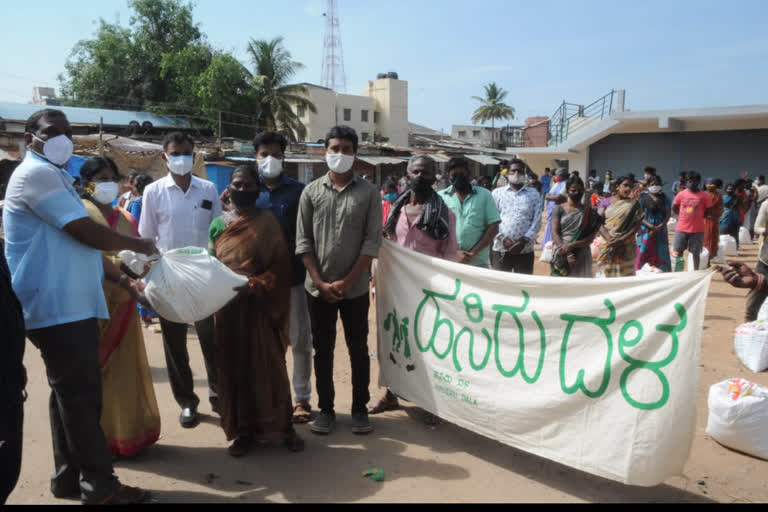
(727, 246)
(703, 260)
(547, 253)
(763, 313)
(744, 236)
(188, 285)
(750, 343)
(738, 415)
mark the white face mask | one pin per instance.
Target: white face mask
(106, 192)
(339, 162)
(57, 150)
(270, 167)
(655, 189)
(181, 165)
(514, 178)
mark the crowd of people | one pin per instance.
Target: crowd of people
(307, 251)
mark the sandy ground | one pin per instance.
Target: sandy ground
(422, 464)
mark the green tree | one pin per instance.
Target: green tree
(121, 67)
(273, 69)
(493, 107)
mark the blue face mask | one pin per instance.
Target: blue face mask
(391, 197)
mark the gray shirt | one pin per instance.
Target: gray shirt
(339, 226)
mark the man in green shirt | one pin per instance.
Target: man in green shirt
(338, 234)
(477, 219)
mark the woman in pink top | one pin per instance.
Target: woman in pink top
(419, 220)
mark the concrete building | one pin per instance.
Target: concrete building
(488, 137)
(719, 142)
(45, 96)
(380, 114)
(536, 132)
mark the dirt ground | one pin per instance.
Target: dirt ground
(422, 463)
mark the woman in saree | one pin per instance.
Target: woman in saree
(574, 227)
(712, 221)
(251, 332)
(623, 218)
(729, 219)
(130, 417)
(555, 197)
(652, 239)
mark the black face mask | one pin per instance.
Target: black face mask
(243, 198)
(422, 186)
(576, 198)
(461, 183)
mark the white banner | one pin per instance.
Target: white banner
(597, 374)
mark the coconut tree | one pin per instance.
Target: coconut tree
(273, 69)
(493, 107)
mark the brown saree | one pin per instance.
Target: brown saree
(251, 335)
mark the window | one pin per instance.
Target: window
(462, 134)
(300, 111)
(347, 114)
(475, 133)
(365, 135)
(376, 116)
(364, 116)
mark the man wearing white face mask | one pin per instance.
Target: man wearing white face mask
(520, 210)
(53, 252)
(338, 234)
(280, 194)
(177, 212)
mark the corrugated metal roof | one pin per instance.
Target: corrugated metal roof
(92, 116)
(381, 160)
(482, 159)
(293, 160)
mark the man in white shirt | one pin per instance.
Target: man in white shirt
(177, 212)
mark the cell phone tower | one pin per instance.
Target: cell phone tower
(333, 54)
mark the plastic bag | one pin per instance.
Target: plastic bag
(649, 269)
(672, 224)
(750, 343)
(595, 248)
(134, 261)
(738, 414)
(727, 246)
(188, 285)
(703, 260)
(546, 253)
(744, 237)
(678, 263)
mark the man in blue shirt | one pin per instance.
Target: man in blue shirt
(280, 194)
(53, 252)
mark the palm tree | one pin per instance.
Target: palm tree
(273, 68)
(493, 107)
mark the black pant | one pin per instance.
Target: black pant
(354, 317)
(517, 263)
(756, 298)
(11, 433)
(71, 356)
(177, 360)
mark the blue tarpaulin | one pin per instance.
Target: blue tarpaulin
(219, 175)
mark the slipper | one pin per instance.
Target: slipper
(302, 413)
(384, 405)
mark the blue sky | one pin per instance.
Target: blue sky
(666, 54)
